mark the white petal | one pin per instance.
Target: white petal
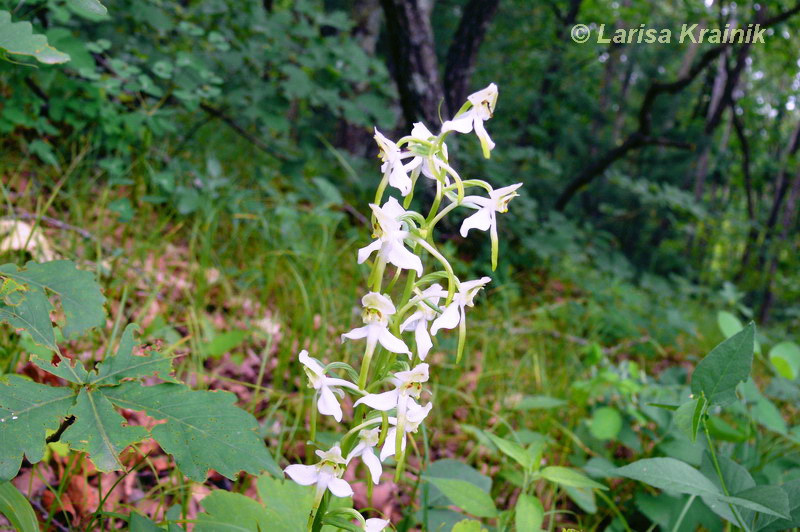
(305, 475)
(356, 334)
(448, 320)
(416, 413)
(378, 301)
(419, 131)
(330, 381)
(388, 444)
(380, 401)
(310, 363)
(424, 342)
(462, 124)
(358, 450)
(481, 220)
(486, 142)
(398, 178)
(505, 191)
(393, 343)
(411, 321)
(340, 487)
(328, 405)
(373, 464)
(376, 525)
(393, 209)
(395, 252)
(366, 251)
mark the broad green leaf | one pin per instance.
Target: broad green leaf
(539, 402)
(32, 314)
(17, 38)
(204, 430)
(466, 496)
(88, 8)
(606, 423)
(728, 323)
(225, 342)
(140, 523)
(70, 369)
(767, 415)
(468, 525)
(569, 477)
(583, 497)
(77, 290)
(669, 474)
(689, 415)
(785, 356)
(100, 430)
(28, 410)
(288, 504)
(774, 524)
(126, 365)
(231, 512)
(728, 364)
(771, 500)
(513, 450)
(736, 477)
(449, 468)
(16, 508)
(528, 513)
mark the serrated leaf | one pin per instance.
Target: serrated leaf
(728, 364)
(465, 495)
(204, 430)
(16, 508)
(77, 290)
(70, 369)
(513, 450)
(32, 314)
(669, 474)
(689, 415)
(231, 512)
(17, 38)
(528, 513)
(125, 365)
(569, 477)
(37, 408)
(100, 430)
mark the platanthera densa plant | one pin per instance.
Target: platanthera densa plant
(402, 302)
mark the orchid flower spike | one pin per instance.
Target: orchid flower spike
(326, 474)
(327, 387)
(455, 312)
(486, 217)
(389, 235)
(377, 309)
(375, 525)
(406, 384)
(483, 103)
(418, 321)
(415, 415)
(365, 449)
(393, 166)
(433, 164)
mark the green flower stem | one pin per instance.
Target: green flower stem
(438, 217)
(365, 362)
(683, 513)
(720, 476)
(451, 288)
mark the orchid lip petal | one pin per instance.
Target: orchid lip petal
(305, 475)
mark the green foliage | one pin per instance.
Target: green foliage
(728, 364)
(18, 38)
(466, 496)
(16, 508)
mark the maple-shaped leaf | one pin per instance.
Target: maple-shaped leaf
(30, 311)
(124, 365)
(70, 369)
(100, 430)
(18, 38)
(28, 410)
(203, 430)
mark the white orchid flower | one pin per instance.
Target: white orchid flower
(430, 165)
(415, 415)
(455, 312)
(486, 217)
(377, 309)
(390, 236)
(418, 321)
(483, 103)
(406, 384)
(326, 474)
(327, 387)
(365, 449)
(375, 525)
(393, 165)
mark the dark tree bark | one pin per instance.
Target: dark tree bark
(414, 65)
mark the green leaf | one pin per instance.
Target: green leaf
(468, 525)
(785, 356)
(231, 512)
(513, 450)
(77, 290)
(17, 38)
(204, 430)
(140, 523)
(16, 508)
(774, 524)
(771, 500)
(225, 342)
(569, 477)
(70, 369)
(688, 417)
(125, 364)
(288, 504)
(669, 474)
(539, 402)
(466, 496)
(88, 8)
(528, 513)
(728, 323)
(728, 364)
(32, 314)
(606, 423)
(100, 430)
(449, 468)
(37, 409)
